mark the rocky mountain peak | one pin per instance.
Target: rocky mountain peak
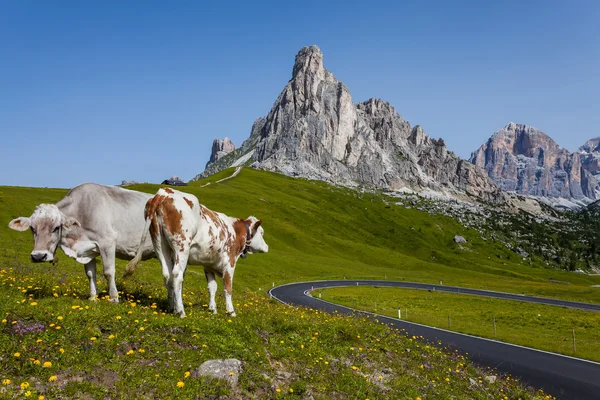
(591, 146)
(309, 61)
(524, 139)
(523, 159)
(314, 130)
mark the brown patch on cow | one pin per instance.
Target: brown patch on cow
(171, 216)
(208, 214)
(227, 282)
(253, 228)
(237, 242)
(168, 190)
(189, 202)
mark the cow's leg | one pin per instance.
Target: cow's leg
(212, 290)
(90, 271)
(177, 280)
(107, 252)
(227, 283)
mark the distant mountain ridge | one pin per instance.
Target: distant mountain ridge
(314, 130)
(523, 159)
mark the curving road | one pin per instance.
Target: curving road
(561, 376)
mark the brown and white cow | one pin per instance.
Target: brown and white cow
(90, 221)
(185, 232)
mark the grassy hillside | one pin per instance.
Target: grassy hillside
(315, 231)
(318, 231)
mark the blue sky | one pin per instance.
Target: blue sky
(106, 91)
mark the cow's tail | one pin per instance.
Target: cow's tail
(149, 214)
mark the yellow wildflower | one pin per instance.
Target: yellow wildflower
(36, 362)
(130, 352)
(6, 381)
(291, 390)
(34, 303)
(278, 390)
(61, 350)
(27, 393)
(24, 385)
(187, 374)
(92, 338)
(17, 355)
(52, 378)
(47, 364)
(180, 384)
(111, 336)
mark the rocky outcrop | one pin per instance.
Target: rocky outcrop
(237, 157)
(522, 159)
(314, 130)
(220, 148)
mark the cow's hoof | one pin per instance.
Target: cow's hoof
(232, 314)
(93, 298)
(114, 300)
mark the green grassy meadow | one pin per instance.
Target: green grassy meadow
(314, 231)
(539, 326)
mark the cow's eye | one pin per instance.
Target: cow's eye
(56, 229)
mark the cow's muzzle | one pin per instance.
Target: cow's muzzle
(40, 256)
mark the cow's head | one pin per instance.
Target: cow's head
(48, 225)
(256, 244)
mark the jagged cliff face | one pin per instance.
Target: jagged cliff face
(522, 159)
(314, 130)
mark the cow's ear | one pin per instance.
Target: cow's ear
(71, 223)
(20, 224)
(256, 225)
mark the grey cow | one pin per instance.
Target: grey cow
(90, 221)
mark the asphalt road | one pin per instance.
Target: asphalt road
(561, 376)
